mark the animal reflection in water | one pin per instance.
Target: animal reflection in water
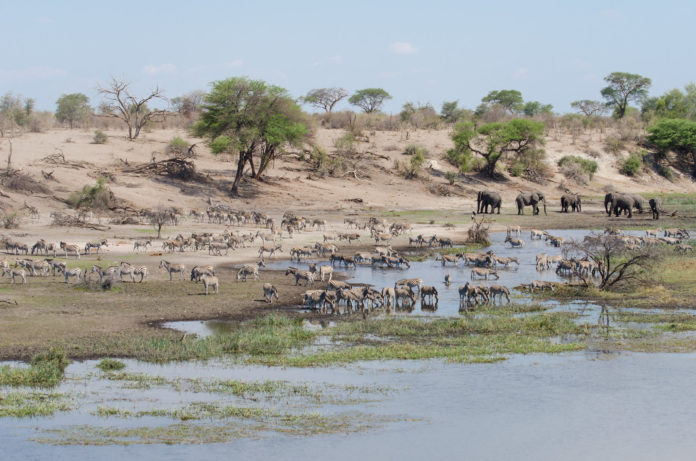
(429, 306)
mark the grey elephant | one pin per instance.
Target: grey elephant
(655, 207)
(622, 203)
(638, 201)
(530, 199)
(571, 201)
(486, 198)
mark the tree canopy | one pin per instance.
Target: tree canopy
(492, 141)
(589, 107)
(133, 110)
(510, 100)
(672, 104)
(624, 88)
(369, 99)
(325, 98)
(677, 135)
(245, 117)
(71, 108)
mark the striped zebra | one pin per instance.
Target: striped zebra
(58, 266)
(246, 271)
(76, 272)
(129, 269)
(210, 281)
(14, 273)
(141, 244)
(70, 249)
(172, 268)
(198, 271)
(95, 244)
(108, 272)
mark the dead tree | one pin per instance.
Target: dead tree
(131, 109)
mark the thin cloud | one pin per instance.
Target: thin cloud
(159, 69)
(402, 48)
(520, 72)
(237, 63)
(36, 72)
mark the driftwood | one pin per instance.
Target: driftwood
(172, 167)
(66, 220)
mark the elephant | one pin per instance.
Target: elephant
(486, 198)
(655, 207)
(530, 199)
(638, 201)
(622, 203)
(571, 200)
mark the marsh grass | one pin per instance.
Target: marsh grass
(110, 365)
(232, 428)
(46, 370)
(32, 404)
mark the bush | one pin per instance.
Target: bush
(110, 365)
(323, 163)
(583, 164)
(100, 137)
(517, 169)
(631, 166)
(177, 147)
(92, 197)
(575, 173)
(614, 145)
(346, 145)
(451, 176)
(413, 149)
(220, 145)
(665, 171)
(10, 221)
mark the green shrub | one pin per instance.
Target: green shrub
(665, 171)
(517, 169)
(221, 144)
(110, 364)
(92, 197)
(586, 165)
(46, 370)
(631, 166)
(614, 145)
(346, 145)
(100, 137)
(451, 176)
(413, 149)
(177, 147)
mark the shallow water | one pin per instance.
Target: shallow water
(569, 406)
(433, 273)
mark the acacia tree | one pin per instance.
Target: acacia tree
(623, 88)
(325, 98)
(72, 108)
(133, 110)
(613, 262)
(369, 99)
(677, 135)
(495, 140)
(510, 100)
(188, 104)
(246, 116)
(589, 107)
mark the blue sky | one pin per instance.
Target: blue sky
(421, 51)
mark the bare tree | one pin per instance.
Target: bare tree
(133, 110)
(161, 216)
(589, 108)
(325, 98)
(613, 260)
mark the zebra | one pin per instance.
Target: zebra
(109, 271)
(246, 271)
(210, 281)
(127, 268)
(59, 266)
(96, 244)
(70, 249)
(514, 242)
(198, 271)
(428, 292)
(500, 291)
(172, 268)
(269, 291)
(76, 272)
(15, 273)
(270, 250)
(141, 244)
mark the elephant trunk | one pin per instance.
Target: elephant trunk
(544, 207)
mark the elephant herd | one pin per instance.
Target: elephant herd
(488, 201)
